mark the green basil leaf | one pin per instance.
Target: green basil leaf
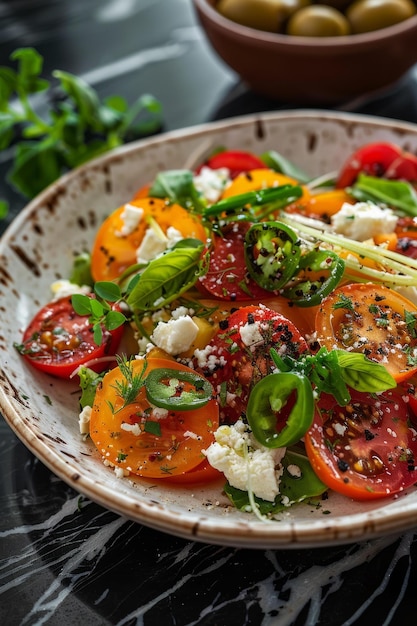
(279, 163)
(178, 186)
(362, 374)
(398, 194)
(166, 278)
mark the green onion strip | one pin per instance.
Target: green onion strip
(405, 266)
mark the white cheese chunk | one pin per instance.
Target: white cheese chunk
(131, 217)
(246, 464)
(176, 335)
(84, 420)
(211, 183)
(64, 288)
(155, 242)
(363, 220)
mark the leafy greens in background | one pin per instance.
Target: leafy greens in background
(78, 126)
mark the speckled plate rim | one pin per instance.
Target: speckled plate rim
(196, 513)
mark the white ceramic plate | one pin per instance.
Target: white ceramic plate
(39, 247)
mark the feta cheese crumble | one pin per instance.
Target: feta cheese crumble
(155, 242)
(131, 217)
(363, 220)
(211, 183)
(64, 288)
(246, 464)
(176, 335)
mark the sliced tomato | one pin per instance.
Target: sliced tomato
(114, 252)
(372, 159)
(143, 441)
(326, 203)
(373, 320)
(407, 246)
(227, 276)
(203, 473)
(406, 227)
(58, 340)
(239, 355)
(403, 168)
(364, 450)
(236, 161)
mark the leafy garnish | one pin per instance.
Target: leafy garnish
(333, 372)
(89, 380)
(178, 186)
(167, 277)
(396, 193)
(129, 386)
(77, 127)
(100, 312)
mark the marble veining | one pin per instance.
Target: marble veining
(73, 547)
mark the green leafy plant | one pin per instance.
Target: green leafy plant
(77, 127)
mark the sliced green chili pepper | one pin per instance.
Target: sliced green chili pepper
(283, 395)
(280, 196)
(272, 254)
(177, 390)
(319, 272)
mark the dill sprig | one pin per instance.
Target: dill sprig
(129, 386)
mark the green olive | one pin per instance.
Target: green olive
(369, 15)
(267, 15)
(318, 21)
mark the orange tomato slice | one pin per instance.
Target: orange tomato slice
(371, 319)
(113, 253)
(128, 437)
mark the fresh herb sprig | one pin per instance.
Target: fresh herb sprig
(334, 372)
(100, 310)
(78, 126)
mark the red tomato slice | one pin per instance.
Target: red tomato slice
(403, 168)
(203, 473)
(372, 159)
(236, 161)
(238, 356)
(126, 437)
(374, 320)
(364, 450)
(227, 277)
(58, 340)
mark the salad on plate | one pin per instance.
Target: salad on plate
(241, 322)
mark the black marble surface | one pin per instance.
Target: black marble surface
(63, 559)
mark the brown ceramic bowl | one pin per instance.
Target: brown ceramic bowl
(311, 70)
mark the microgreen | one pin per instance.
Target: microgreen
(78, 126)
(100, 312)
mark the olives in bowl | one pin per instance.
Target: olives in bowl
(324, 18)
(332, 65)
